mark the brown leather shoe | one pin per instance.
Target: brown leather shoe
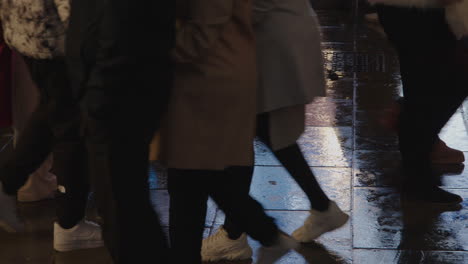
(443, 154)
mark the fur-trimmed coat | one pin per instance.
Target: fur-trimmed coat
(456, 14)
(35, 28)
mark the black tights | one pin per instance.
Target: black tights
(293, 160)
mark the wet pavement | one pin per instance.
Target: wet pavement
(354, 157)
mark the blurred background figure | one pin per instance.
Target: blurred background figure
(120, 68)
(41, 184)
(429, 102)
(9, 220)
(37, 33)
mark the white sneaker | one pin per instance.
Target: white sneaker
(320, 222)
(9, 220)
(268, 255)
(220, 247)
(84, 235)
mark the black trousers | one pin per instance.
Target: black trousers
(53, 127)
(434, 82)
(189, 191)
(120, 124)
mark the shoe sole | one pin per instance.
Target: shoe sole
(78, 245)
(272, 256)
(229, 257)
(447, 162)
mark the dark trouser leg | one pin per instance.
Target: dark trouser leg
(245, 211)
(64, 118)
(187, 213)
(72, 196)
(54, 126)
(240, 178)
(189, 193)
(32, 147)
(293, 160)
(245, 175)
(119, 171)
(119, 130)
(431, 83)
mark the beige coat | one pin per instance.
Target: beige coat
(211, 118)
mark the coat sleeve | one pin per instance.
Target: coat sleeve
(201, 28)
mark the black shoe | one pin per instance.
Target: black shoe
(433, 195)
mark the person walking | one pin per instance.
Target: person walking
(434, 87)
(207, 137)
(42, 183)
(118, 57)
(37, 32)
(291, 75)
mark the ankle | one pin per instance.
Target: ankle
(321, 206)
(272, 241)
(67, 225)
(234, 236)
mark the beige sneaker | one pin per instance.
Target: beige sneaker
(82, 236)
(220, 247)
(319, 223)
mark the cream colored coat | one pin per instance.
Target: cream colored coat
(290, 59)
(290, 65)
